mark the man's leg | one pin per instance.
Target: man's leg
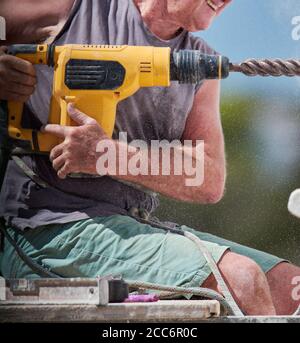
(279, 272)
(247, 283)
(280, 279)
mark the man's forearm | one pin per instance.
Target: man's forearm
(201, 180)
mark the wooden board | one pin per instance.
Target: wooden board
(161, 311)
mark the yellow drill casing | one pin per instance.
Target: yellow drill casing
(95, 78)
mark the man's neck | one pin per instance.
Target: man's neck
(155, 16)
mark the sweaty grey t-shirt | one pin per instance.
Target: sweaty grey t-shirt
(152, 113)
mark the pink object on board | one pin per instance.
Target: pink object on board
(142, 298)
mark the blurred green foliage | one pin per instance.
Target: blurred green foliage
(253, 211)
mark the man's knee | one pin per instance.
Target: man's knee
(243, 274)
(240, 272)
(248, 284)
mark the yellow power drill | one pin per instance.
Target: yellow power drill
(97, 77)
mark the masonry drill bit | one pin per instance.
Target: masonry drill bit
(266, 67)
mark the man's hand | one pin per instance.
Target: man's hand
(77, 153)
(17, 77)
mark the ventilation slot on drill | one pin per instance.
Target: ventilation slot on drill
(145, 67)
(94, 74)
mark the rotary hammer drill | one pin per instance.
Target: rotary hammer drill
(97, 77)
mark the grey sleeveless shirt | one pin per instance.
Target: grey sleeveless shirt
(152, 113)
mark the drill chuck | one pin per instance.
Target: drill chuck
(191, 66)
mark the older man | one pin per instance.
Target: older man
(81, 227)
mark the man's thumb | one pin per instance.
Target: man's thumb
(79, 117)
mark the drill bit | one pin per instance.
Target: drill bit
(266, 67)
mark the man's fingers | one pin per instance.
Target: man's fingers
(12, 91)
(11, 96)
(20, 89)
(55, 129)
(56, 152)
(24, 79)
(17, 78)
(19, 64)
(58, 162)
(79, 117)
(64, 171)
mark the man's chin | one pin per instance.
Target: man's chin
(201, 26)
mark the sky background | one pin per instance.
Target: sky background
(257, 28)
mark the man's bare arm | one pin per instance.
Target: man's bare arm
(203, 124)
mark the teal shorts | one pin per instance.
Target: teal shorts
(120, 245)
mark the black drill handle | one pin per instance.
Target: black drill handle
(22, 49)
